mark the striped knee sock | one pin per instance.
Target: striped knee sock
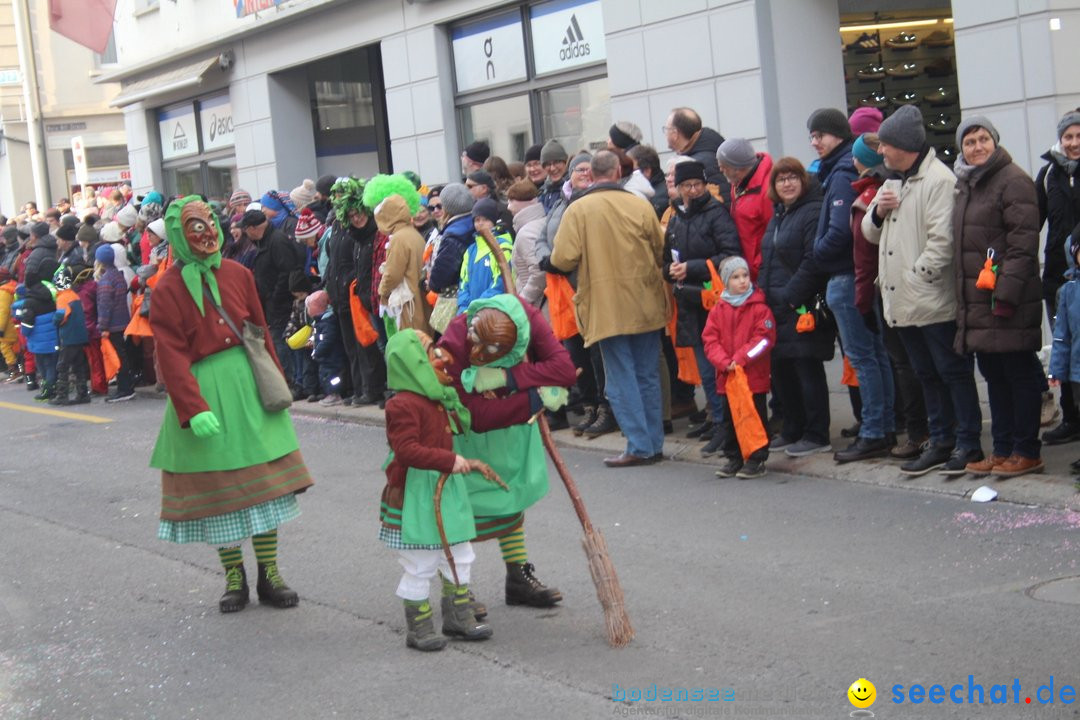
(231, 556)
(512, 546)
(265, 547)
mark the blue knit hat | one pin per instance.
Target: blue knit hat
(105, 255)
(863, 153)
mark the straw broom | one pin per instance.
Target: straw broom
(608, 590)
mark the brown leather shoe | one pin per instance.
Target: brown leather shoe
(627, 460)
(986, 465)
(1018, 465)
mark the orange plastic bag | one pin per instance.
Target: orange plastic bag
(365, 332)
(744, 416)
(806, 322)
(684, 356)
(711, 295)
(560, 297)
(987, 279)
(849, 378)
(109, 358)
(432, 297)
(139, 326)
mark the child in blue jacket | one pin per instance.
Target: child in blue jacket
(328, 350)
(40, 333)
(1065, 352)
(70, 321)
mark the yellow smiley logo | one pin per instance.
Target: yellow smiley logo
(862, 693)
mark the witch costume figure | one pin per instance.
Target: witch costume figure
(510, 368)
(230, 470)
(428, 521)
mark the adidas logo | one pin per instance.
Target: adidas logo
(574, 45)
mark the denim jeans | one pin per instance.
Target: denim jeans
(948, 380)
(1014, 385)
(708, 382)
(632, 384)
(46, 364)
(866, 352)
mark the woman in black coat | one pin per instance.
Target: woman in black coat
(700, 230)
(789, 281)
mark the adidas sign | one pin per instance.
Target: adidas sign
(573, 44)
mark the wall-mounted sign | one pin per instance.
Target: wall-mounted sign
(489, 52)
(65, 127)
(216, 120)
(78, 156)
(176, 126)
(566, 34)
(250, 7)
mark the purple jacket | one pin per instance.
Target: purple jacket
(112, 308)
(88, 296)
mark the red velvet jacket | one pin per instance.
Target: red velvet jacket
(182, 337)
(866, 255)
(546, 363)
(732, 333)
(419, 434)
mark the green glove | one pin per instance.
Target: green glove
(205, 424)
(482, 379)
(553, 398)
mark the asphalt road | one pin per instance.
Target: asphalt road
(777, 593)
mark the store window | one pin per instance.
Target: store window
(536, 72)
(197, 139)
(905, 58)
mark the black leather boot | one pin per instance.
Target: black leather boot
(236, 590)
(272, 589)
(523, 588)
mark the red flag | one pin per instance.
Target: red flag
(87, 22)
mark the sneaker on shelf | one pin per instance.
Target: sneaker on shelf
(942, 67)
(752, 469)
(908, 97)
(806, 447)
(940, 97)
(870, 72)
(865, 43)
(903, 70)
(938, 39)
(942, 123)
(876, 99)
(903, 40)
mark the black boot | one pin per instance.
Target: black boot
(272, 589)
(523, 588)
(236, 590)
(604, 424)
(420, 629)
(586, 421)
(47, 392)
(31, 382)
(60, 394)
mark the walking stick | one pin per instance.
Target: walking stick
(608, 589)
(474, 465)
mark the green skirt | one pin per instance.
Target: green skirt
(250, 435)
(415, 519)
(517, 454)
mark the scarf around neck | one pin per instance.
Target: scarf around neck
(736, 300)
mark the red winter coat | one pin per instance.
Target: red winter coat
(865, 254)
(752, 209)
(731, 333)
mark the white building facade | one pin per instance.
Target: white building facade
(258, 94)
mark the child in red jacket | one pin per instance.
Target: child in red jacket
(740, 331)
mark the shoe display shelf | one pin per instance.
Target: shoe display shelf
(891, 67)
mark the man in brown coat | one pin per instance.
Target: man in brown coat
(614, 241)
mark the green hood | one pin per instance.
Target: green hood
(408, 369)
(511, 305)
(194, 270)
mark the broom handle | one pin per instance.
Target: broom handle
(545, 431)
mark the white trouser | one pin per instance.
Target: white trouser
(421, 566)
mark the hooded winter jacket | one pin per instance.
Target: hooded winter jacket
(752, 210)
(1059, 207)
(456, 237)
(833, 252)
(531, 280)
(404, 261)
(744, 335)
(42, 262)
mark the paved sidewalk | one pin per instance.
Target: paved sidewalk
(1053, 488)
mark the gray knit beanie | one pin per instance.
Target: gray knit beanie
(1071, 118)
(729, 266)
(829, 120)
(456, 200)
(904, 129)
(736, 153)
(578, 159)
(972, 123)
(552, 152)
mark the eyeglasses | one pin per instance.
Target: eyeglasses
(816, 136)
(549, 163)
(434, 206)
(666, 129)
(785, 179)
(582, 170)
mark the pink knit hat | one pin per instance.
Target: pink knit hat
(316, 303)
(864, 120)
